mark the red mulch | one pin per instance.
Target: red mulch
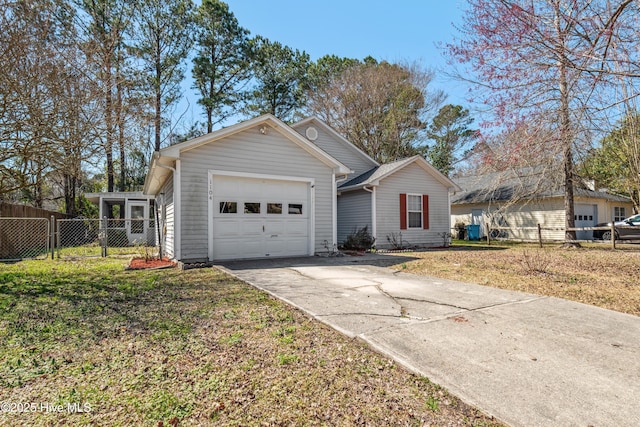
(142, 264)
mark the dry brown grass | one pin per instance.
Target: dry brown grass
(594, 274)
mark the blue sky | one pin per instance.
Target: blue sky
(390, 30)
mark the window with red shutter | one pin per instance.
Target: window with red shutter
(425, 211)
(414, 211)
(403, 211)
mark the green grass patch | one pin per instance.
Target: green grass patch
(193, 347)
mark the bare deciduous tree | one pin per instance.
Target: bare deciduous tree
(380, 107)
(544, 62)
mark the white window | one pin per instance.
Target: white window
(414, 210)
(619, 213)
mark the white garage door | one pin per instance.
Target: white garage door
(585, 216)
(258, 218)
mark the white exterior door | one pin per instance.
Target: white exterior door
(137, 213)
(259, 218)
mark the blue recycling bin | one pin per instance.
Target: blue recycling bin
(473, 231)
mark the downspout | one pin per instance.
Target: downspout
(176, 208)
(374, 219)
(177, 211)
(451, 225)
(334, 195)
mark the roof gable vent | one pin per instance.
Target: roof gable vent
(312, 133)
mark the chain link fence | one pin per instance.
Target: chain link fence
(103, 237)
(25, 238)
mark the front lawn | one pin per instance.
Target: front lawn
(594, 274)
(85, 342)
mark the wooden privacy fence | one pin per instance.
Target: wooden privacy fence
(8, 210)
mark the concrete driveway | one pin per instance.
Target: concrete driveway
(525, 359)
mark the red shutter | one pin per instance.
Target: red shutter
(425, 211)
(403, 211)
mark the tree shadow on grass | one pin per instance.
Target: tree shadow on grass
(49, 311)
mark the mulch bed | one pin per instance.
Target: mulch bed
(155, 263)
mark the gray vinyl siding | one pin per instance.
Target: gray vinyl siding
(339, 150)
(247, 152)
(169, 247)
(354, 213)
(411, 180)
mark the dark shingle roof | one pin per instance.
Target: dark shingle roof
(376, 173)
(522, 184)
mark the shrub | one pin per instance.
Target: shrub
(360, 240)
(396, 242)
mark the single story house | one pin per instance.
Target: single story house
(528, 197)
(262, 188)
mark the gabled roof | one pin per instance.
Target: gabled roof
(331, 131)
(162, 161)
(521, 184)
(373, 176)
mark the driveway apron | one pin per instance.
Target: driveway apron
(525, 359)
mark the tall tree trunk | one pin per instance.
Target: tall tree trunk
(157, 120)
(120, 122)
(566, 135)
(124, 186)
(70, 184)
(158, 90)
(67, 194)
(37, 190)
(212, 91)
(108, 103)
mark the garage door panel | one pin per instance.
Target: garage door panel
(251, 227)
(585, 216)
(279, 228)
(228, 228)
(297, 227)
(298, 245)
(229, 248)
(251, 249)
(275, 227)
(276, 246)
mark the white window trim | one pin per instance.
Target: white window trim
(409, 227)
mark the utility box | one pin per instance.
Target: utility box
(473, 231)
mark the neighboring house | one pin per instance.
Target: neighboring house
(525, 198)
(134, 214)
(262, 188)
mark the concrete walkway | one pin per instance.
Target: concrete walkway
(525, 359)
